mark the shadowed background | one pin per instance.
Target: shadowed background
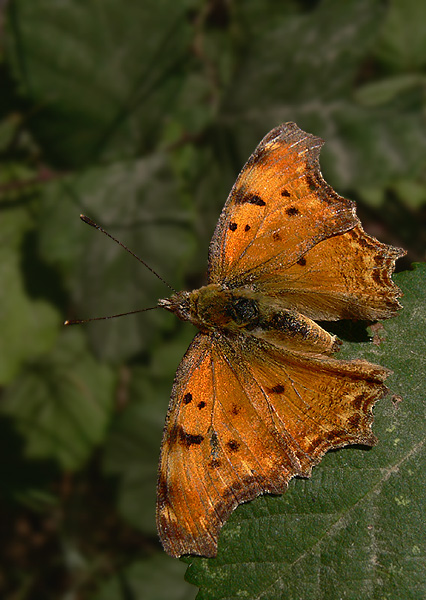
(141, 115)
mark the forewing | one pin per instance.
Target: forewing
(245, 417)
(279, 208)
(219, 449)
(346, 276)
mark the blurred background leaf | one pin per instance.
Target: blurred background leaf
(141, 116)
(77, 63)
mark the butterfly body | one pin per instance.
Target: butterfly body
(242, 311)
(259, 396)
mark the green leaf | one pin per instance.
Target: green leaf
(132, 448)
(304, 71)
(411, 193)
(28, 325)
(386, 90)
(138, 202)
(62, 403)
(402, 45)
(102, 78)
(156, 578)
(27, 482)
(8, 127)
(355, 528)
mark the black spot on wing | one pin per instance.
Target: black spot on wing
(187, 398)
(285, 194)
(256, 200)
(302, 261)
(292, 211)
(277, 389)
(201, 404)
(179, 435)
(233, 226)
(233, 445)
(276, 236)
(245, 198)
(247, 228)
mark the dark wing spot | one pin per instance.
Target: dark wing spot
(292, 211)
(247, 228)
(188, 439)
(285, 193)
(310, 180)
(233, 445)
(277, 389)
(201, 404)
(302, 261)
(187, 398)
(172, 436)
(214, 463)
(233, 226)
(251, 199)
(276, 236)
(162, 490)
(376, 275)
(235, 409)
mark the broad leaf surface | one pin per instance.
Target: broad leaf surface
(103, 78)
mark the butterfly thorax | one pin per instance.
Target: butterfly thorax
(245, 311)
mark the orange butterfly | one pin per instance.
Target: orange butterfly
(258, 398)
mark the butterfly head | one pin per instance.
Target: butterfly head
(179, 304)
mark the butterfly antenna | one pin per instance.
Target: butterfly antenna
(96, 226)
(132, 312)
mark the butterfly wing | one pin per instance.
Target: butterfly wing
(217, 451)
(245, 417)
(279, 195)
(286, 233)
(347, 276)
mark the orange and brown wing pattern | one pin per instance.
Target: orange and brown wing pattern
(219, 449)
(347, 276)
(279, 208)
(245, 418)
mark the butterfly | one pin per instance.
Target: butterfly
(259, 396)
